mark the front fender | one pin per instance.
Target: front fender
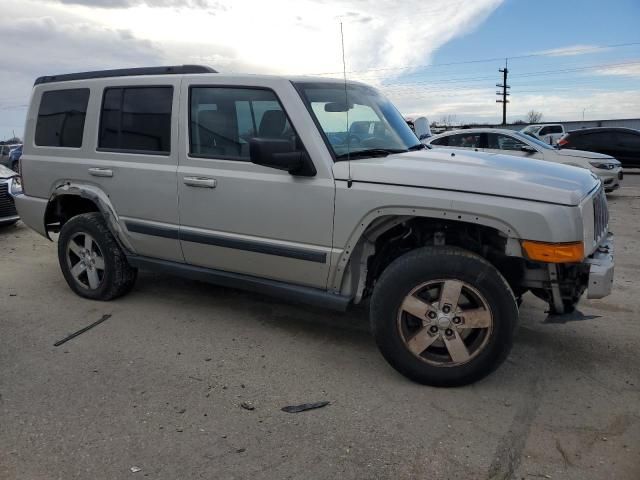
(516, 219)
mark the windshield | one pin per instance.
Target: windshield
(360, 123)
(535, 141)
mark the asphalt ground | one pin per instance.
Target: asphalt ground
(158, 386)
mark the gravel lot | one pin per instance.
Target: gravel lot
(159, 385)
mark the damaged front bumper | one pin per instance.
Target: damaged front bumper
(601, 265)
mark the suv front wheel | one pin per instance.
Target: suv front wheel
(443, 316)
(91, 260)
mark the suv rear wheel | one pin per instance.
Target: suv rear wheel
(443, 316)
(92, 263)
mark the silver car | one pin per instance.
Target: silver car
(493, 140)
(10, 185)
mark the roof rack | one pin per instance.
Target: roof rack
(126, 72)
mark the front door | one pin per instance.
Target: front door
(240, 217)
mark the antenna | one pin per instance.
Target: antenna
(346, 101)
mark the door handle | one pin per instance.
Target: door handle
(101, 172)
(203, 182)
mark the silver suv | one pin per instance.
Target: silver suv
(313, 191)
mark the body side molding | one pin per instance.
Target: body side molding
(274, 288)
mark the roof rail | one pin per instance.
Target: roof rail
(126, 72)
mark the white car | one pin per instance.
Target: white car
(510, 142)
(548, 133)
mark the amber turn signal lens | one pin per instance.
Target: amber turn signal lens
(554, 252)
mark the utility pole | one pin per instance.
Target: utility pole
(505, 87)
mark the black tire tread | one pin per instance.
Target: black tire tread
(436, 256)
(123, 275)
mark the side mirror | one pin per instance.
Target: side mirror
(280, 154)
(528, 149)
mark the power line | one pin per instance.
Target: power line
(521, 75)
(485, 60)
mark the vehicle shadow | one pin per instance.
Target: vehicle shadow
(296, 319)
(536, 342)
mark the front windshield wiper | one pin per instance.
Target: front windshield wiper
(370, 152)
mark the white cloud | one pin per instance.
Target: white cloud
(571, 50)
(279, 36)
(631, 70)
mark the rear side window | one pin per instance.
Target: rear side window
(61, 118)
(597, 140)
(136, 119)
(628, 140)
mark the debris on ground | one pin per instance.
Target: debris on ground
(304, 407)
(82, 330)
(135, 469)
(248, 405)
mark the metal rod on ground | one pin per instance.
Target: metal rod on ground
(82, 330)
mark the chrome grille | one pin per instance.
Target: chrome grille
(7, 206)
(600, 215)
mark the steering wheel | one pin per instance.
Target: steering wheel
(352, 140)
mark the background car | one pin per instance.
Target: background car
(14, 158)
(510, 142)
(548, 133)
(4, 153)
(621, 143)
(10, 185)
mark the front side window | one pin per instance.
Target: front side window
(498, 141)
(136, 119)
(223, 120)
(537, 143)
(358, 122)
(61, 118)
(442, 141)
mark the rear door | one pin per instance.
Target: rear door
(627, 148)
(240, 217)
(599, 142)
(136, 159)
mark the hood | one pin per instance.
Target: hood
(6, 172)
(566, 152)
(476, 172)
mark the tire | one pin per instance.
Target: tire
(105, 273)
(483, 319)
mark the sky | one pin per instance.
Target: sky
(568, 59)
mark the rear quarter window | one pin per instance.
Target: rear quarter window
(61, 118)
